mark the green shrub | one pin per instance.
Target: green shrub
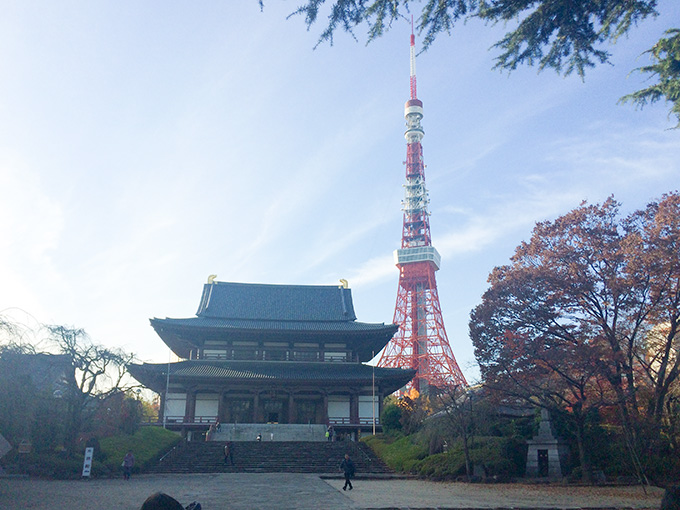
(147, 445)
(44, 465)
(499, 457)
(442, 466)
(391, 417)
(397, 453)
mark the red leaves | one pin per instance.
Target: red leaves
(571, 313)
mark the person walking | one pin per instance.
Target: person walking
(229, 453)
(128, 464)
(347, 466)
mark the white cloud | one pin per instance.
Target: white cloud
(373, 271)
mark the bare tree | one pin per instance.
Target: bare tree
(457, 407)
(99, 372)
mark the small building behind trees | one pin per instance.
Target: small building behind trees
(33, 387)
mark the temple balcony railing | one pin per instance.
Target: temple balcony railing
(369, 421)
(338, 420)
(211, 420)
(189, 420)
(279, 355)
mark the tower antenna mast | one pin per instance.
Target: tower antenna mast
(414, 94)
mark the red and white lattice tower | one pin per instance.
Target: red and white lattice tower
(421, 342)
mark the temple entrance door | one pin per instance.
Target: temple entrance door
(240, 410)
(543, 465)
(275, 411)
(307, 410)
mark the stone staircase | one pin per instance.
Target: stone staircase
(269, 457)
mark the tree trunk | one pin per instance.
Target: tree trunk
(583, 457)
(466, 453)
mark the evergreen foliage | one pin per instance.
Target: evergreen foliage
(666, 68)
(390, 417)
(564, 35)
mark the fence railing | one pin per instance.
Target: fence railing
(211, 420)
(336, 420)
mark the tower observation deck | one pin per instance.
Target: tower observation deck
(421, 342)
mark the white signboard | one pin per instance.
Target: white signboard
(87, 463)
(5, 447)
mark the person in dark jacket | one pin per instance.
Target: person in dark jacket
(229, 453)
(347, 466)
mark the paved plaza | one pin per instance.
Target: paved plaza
(253, 491)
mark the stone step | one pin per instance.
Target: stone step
(253, 456)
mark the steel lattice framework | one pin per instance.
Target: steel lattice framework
(421, 342)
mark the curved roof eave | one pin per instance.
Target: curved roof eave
(286, 372)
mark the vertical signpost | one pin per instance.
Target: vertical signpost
(87, 462)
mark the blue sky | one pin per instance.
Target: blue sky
(147, 145)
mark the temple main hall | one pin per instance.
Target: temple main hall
(275, 356)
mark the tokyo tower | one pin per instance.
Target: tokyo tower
(421, 342)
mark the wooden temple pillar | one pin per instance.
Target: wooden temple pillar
(291, 408)
(354, 407)
(256, 407)
(325, 407)
(190, 409)
(161, 407)
(220, 407)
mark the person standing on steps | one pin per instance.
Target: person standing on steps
(347, 466)
(229, 453)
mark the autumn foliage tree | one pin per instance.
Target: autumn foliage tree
(586, 316)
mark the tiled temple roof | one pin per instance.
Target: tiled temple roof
(278, 312)
(304, 303)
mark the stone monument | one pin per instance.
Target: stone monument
(546, 455)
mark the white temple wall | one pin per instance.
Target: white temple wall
(207, 405)
(366, 410)
(338, 408)
(175, 405)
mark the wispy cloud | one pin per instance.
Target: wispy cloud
(373, 271)
(31, 222)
